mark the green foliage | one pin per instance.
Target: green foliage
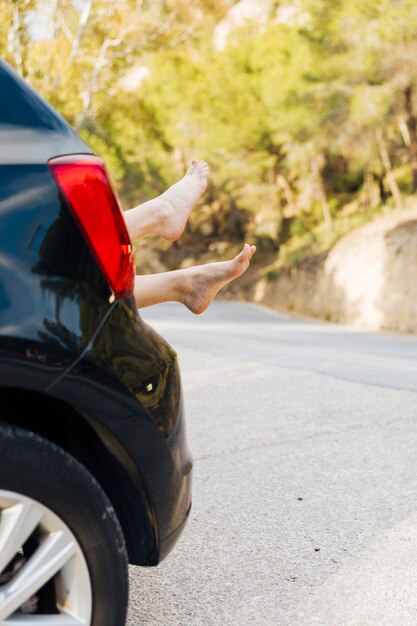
(307, 118)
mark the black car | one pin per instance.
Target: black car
(95, 472)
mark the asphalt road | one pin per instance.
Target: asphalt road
(304, 437)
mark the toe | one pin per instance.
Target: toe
(202, 167)
(192, 167)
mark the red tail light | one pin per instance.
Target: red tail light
(84, 181)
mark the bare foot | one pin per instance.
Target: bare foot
(205, 281)
(180, 198)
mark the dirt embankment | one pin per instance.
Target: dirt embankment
(369, 278)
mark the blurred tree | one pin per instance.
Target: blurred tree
(308, 118)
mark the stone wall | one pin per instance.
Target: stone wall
(369, 278)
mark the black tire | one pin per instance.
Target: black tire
(40, 470)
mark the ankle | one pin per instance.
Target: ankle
(186, 284)
(163, 215)
(163, 210)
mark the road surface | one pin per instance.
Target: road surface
(304, 437)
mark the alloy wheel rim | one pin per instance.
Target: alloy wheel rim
(55, 559)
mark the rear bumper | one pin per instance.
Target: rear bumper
(170, 541)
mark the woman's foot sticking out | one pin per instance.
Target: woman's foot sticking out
(205, 281)
(167, 214)
(180, 198)
(195, 286)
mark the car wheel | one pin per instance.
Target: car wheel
(62, 551)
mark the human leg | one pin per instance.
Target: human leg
(167, 214)
(195, 286)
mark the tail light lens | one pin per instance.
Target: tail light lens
(87, 187)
